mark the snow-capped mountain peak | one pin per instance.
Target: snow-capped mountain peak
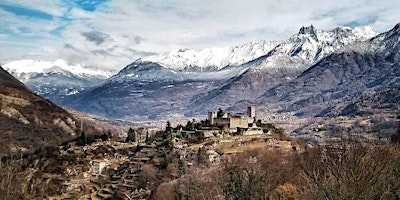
(21, 68)
(306, 47)
(211, 59)
(364, 31)
(307, 30)
(311, 44)
(56, 80)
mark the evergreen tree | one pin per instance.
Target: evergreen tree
(202, 155)
(188, 126)
(131, 135)
(82, 139)
(191, 125)
(220, 113)
(181, 167)
(168, 128)
(179, 127)
(259, 123)
(396, 137)
(147, 137)
(206, 122)
(234, 189)
(105, 136)
(168, 131)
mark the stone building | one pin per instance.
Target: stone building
(98, 165)
(253, 130)
(233, 122)
(251, 112)
(211, 116)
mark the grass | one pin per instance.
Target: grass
(196, 147)
(236, 147)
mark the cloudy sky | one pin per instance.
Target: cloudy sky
(113, 33)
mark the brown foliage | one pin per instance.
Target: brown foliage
(201, 184)
(351, 171)
(248, 175)
(16, 182)
(261, 172)
(287, 191)
(148, 176)
(165, 191)
(348, 171)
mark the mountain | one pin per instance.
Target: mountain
(141, 91)
(283, 63)
(56, 80)
(353, 80)
(211, 59)
(29, 121)
(184, 83)
(165, 85)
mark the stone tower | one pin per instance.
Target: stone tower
(211, 117)
(251, 111)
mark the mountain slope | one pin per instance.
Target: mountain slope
(146, 89)
(27, 121)
(343, 78)
(283, 63)
(179, 84)
(141, 91)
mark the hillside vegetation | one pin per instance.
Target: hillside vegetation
(28, 121)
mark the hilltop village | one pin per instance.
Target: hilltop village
(225, 151)
(225, 154)
(213, 134)
(134, 166)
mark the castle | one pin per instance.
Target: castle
(233, 123)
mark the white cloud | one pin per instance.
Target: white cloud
(126, 30)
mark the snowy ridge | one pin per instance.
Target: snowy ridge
(382, 42)
(212, 58)
(151, 71)
(22, 68)
(310, 45)
(356, 79)
(288, 58)
(304, 48)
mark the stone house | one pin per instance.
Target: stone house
(98, 165)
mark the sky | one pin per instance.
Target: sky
(113, 33)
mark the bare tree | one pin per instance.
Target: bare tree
(350, 171)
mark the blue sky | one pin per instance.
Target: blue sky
(111, 33)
